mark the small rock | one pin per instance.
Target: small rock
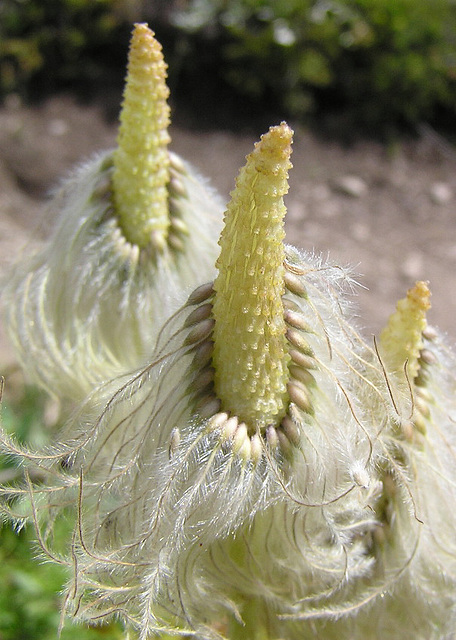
(440, 193)
(352, 186)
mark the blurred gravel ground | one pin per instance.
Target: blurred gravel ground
(390, 213)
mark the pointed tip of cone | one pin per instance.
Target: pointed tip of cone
(281, 135)
(142, 27)
(143, 34)
(146, 50)
(420, 294)
(276, 143)
(401, 340)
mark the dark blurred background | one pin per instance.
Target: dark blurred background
(383, 65)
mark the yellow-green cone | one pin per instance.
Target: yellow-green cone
(141, 161)
(401, 340)
(250, 348)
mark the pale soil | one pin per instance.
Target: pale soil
(400, 227)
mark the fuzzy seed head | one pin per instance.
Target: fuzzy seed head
(250, 347)
(141, 161)
(401, 340)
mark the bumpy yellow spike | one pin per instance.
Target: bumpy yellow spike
(401, 340)
(250, 349)
(141, 162)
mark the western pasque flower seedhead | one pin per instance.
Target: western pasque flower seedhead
(410, 590)
(266, 473)
(135, 229)
(186, 485)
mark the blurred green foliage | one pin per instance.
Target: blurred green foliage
(29, 595)
(49, 44)
(30, 587)
(371, 63)
(376, 63)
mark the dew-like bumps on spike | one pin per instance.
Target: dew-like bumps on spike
(246, 441)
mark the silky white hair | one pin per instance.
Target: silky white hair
(343, 529)
(87, 306)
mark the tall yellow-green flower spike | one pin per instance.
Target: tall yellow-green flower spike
(401, 340)
(250, 349)
(141, 161)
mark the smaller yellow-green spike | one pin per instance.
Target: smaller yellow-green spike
(401, 340)
(141, 162)
(250, 348)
